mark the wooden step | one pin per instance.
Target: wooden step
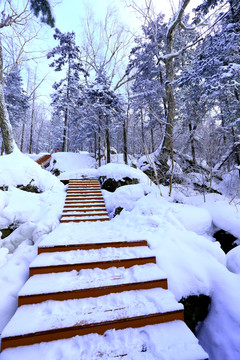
(84, 201)
(91, 265)
(52, 320)
(90, 283)
(99, 328)
(91, 292)
(82, 192)
(87, 213)
(84, 220)
(84, 210)
(84, 197)
(77, 205)
(91, 246)
(123, 345)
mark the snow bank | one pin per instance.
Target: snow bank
(19, 169)
(120, 171)
(233, 260)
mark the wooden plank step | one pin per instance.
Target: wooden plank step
(84, 210)
(87, 192)
(91, 292)
(69, 205)
(52, 320)
(90, 283)
(91, 265)
(90, 201)
(91, 246)
(153, 340)
(84, 220)
(88, 257)
(86, 213)
(84, 183)
(83, 197)
(84, 188)
(99, 328)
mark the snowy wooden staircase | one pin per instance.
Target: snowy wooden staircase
(83, 288)
(44, 161)
(84, 202)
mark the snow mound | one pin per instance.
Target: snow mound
(193, 219)
(69, 161)
(233, 260)
(125, 196)
(19, 169)
(121, 171)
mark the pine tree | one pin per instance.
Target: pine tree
(15, 98)
(64, 100)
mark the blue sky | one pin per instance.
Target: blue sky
(70, 14)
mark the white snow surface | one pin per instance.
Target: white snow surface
(90, 278)
(179, 235)
(59, 314)
(168, 341)
(88, 256)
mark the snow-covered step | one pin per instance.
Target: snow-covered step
(83, 182)
(85, 201)
(68, 197)
(86, 194)
(90, 283)
(84, 209)
(90, 246)
(89, 259)
(172, 340)
(53, 320)
(85, 213)
(87, 218)
(44, 160)
(78, 188)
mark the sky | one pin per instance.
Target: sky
(70, 15)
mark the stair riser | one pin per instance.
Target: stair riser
(92, 292)
(69, 206)
(99, 328)
(92, 246)
(102, 265)
(83, 220)
(86, 214)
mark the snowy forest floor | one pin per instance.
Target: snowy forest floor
(179, 230)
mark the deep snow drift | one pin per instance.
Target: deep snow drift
(179, 230)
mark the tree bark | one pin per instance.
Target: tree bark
(5, 125)
(22, 137)
(125, 149)
(108, 146)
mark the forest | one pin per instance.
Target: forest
(119, 179)
(169, 95)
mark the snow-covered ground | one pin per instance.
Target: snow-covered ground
(178, 229)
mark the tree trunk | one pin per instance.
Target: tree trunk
(125, 149)
(22, 137)
(108, 146)
(99, 149)
(152, 140)
(31, 128)
(95, 146)
(5, 125)
(142, 131)
(191, 130)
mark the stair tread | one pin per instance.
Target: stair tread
(85, 217)
(88, 256)
(155, 340)
(90, 278)
(80, 312)
(83, 245)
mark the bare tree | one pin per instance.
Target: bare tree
(14, 17)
